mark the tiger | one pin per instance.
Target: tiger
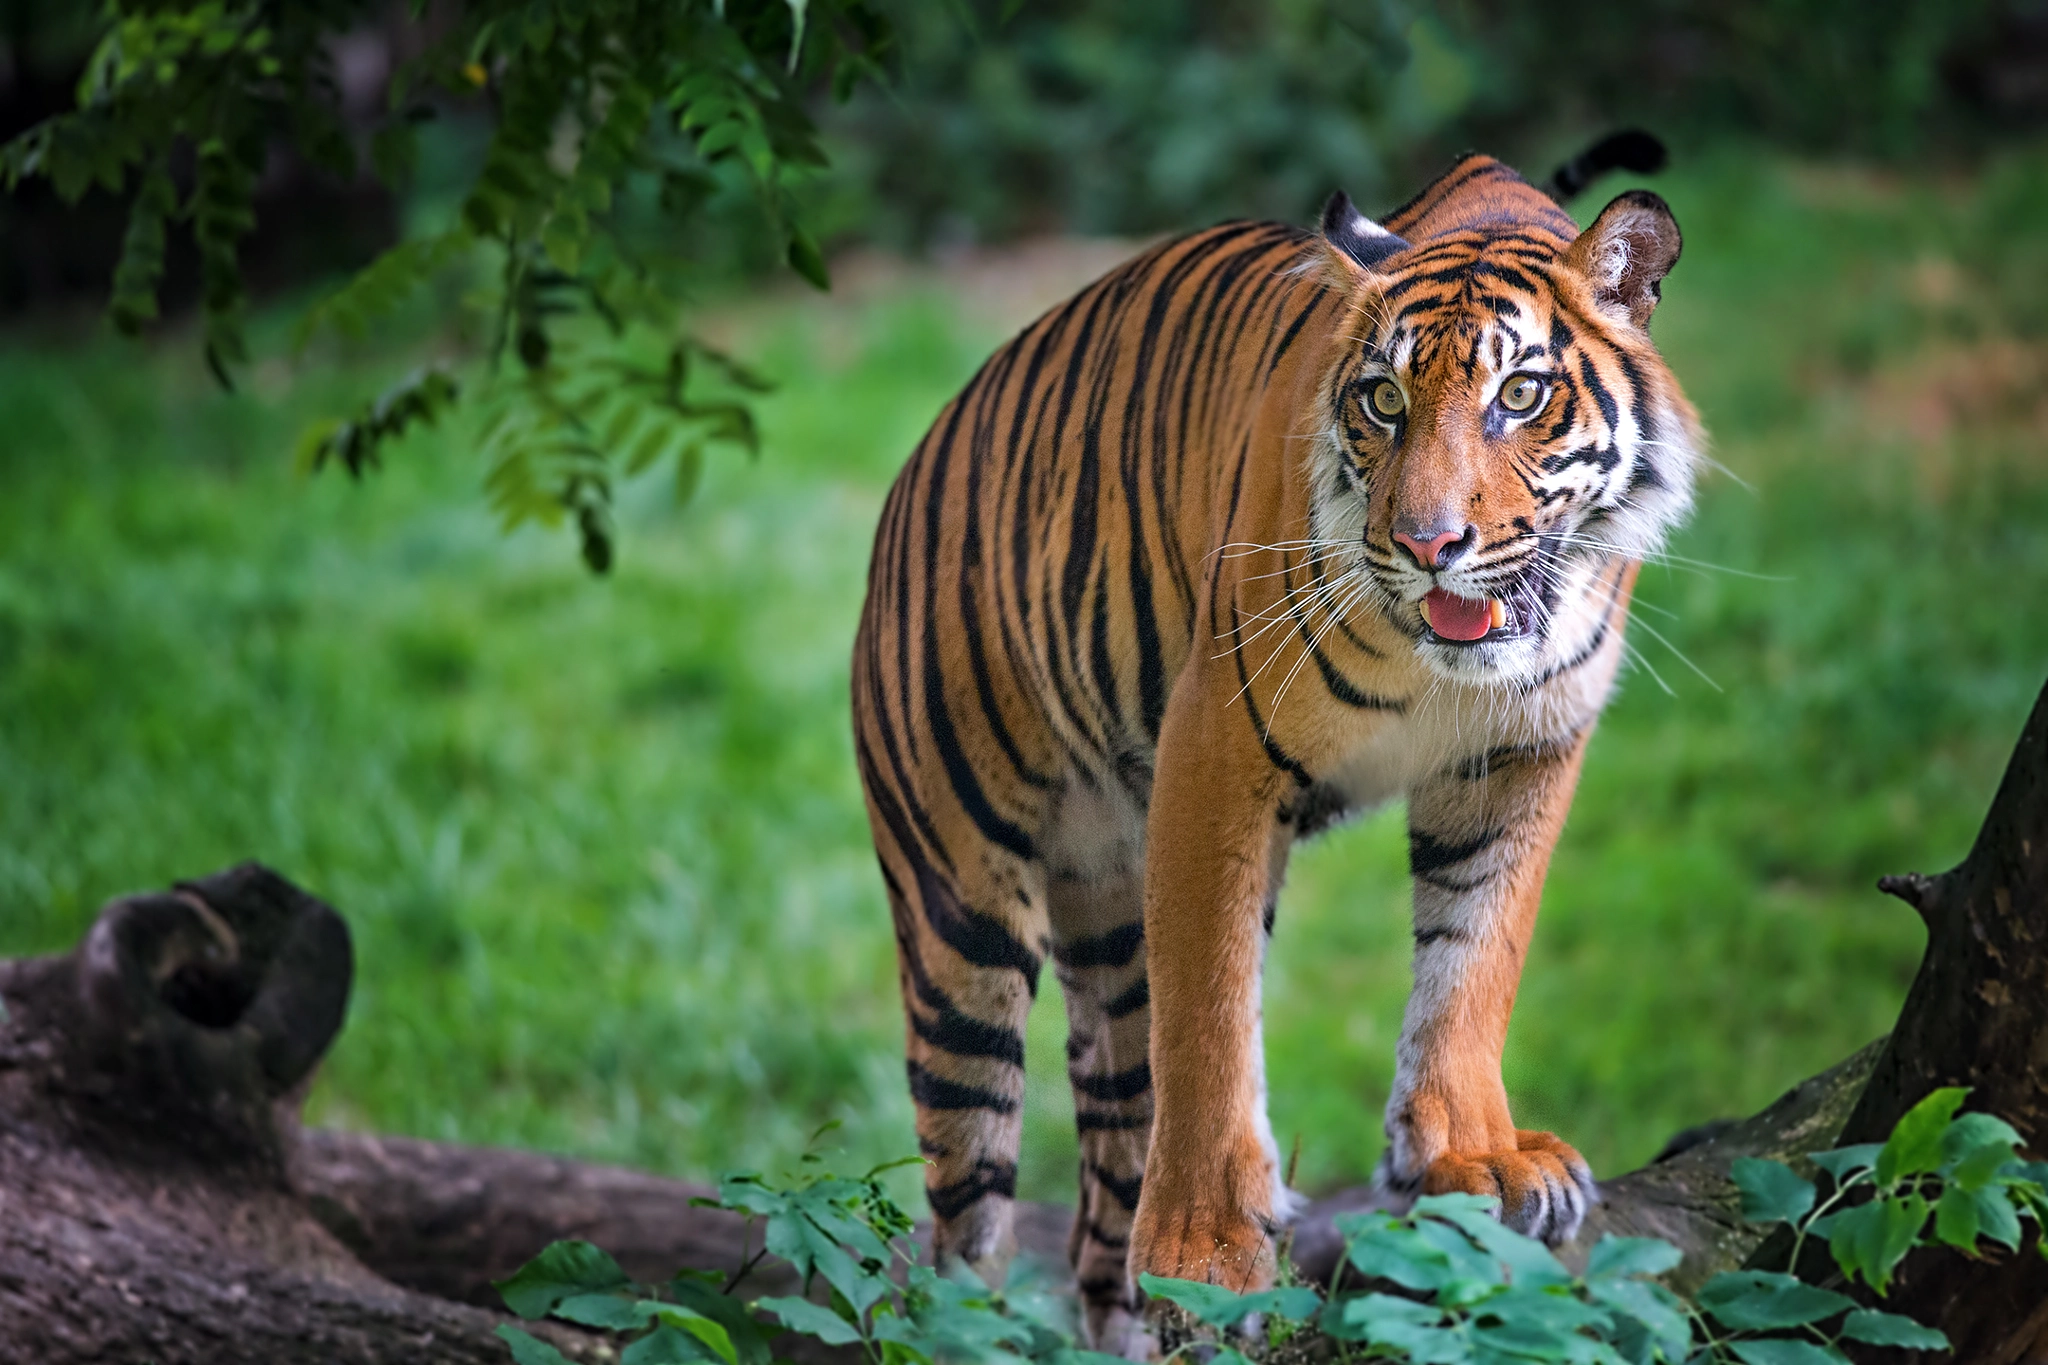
(1263, 528)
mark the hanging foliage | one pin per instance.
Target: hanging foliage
(181, 105)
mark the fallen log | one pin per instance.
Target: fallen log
(149, 1083)
(448, 1220)
(159, 1201)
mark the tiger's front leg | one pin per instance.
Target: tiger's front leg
(1480, 837)
(1206, 1210)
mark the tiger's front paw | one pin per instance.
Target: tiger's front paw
(1193, 1240)
(1544, 1186)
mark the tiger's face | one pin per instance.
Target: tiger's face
(1501, 437)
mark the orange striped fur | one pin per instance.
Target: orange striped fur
(1136, 621)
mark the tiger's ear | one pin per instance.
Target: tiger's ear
(1625, 255)
(1351, 235)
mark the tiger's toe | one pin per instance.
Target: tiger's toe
(1544, 1185)
(1231, 1248)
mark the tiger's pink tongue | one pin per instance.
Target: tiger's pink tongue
(1457, 618)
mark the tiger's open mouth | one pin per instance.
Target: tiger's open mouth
(1456, 620)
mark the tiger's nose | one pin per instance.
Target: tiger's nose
(1434, 549)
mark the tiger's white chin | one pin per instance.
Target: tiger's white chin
(1490, 662)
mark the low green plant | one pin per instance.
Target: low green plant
(1468, 1289)
(1957, 1176)
(846, 1233)
(1447, 1284)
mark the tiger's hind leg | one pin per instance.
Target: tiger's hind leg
(968, 962)
(1096, 903)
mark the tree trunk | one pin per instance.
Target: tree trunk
(1976, 1016)
(158, 1201)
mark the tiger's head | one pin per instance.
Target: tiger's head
(1499, 435)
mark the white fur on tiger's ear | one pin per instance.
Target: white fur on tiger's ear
(1355, 237)
(1626, 254)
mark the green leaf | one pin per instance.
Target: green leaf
(382, 285)
(1516, 1341)
(902, 1353)
(1844, 1161)
(796, 1237)
(683, 1318)
(827, 1205)
(1370, 1310)
(528, 1349)
(1976, 1149)
(652, 443)
(956, 1319)
(1296, 1303)
(1210, 1303)
(748, 1194)
(1531, 1308)
(1758, 1300)
(1892, 1329)
(1220, 1307)
(801, 1315)
(689, 472)
(744, 377)
(609, 1311)
(806, 259)
(1527, 1261)
(1474, 1272)
(1382, 1247)
(1625, 1256)
(141, 265)
(1964, 1215)
(1383, 1320)
(1444, 1205)
(561, 1270)
(1784, 1351)
(1915, 1144)
(1871, 1239)
(749, 1337)
(1999, 1219)
(1772, 1192)
(665, 1345)
(1652, 1305)
(1955, 1218)
(318, 441)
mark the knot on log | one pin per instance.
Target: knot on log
(149, 1088)
(190, 1014)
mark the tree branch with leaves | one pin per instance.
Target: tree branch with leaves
(611, 123)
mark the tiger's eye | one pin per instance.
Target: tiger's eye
(1387, 399)
(1521, 393)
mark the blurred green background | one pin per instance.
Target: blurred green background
(601, 841)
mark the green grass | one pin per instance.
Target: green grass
(602, 845)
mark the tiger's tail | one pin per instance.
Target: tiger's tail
(1629, 150)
